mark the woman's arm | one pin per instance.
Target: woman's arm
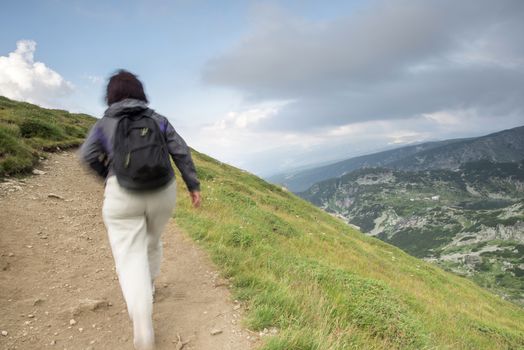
(92, 151)
(181, 155)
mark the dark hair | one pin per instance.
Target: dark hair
(124, 85)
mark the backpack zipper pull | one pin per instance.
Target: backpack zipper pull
(128, 158)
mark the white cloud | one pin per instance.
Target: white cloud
(248, 117)
(446, 117)
(21, 78)
(236, 139)
(404, 137)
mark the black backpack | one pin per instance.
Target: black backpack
(141, 158)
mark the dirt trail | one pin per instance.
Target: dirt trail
(58, 287)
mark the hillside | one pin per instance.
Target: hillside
(326, 285)
(27, 131)
(503, 146)
(469, 221)
(320, 284)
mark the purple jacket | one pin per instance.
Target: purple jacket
(97, 150)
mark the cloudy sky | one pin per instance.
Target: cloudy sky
(273, 85)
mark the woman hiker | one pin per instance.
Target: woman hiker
(131, 147)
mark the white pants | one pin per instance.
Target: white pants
(134, 223)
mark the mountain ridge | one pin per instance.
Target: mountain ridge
(509, 149)
(403, 158)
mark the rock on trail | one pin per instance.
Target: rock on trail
(58, 287)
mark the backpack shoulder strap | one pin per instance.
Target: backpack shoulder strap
(148, 112)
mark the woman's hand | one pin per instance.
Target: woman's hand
(195, 198)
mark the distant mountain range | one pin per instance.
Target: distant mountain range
(503, 146)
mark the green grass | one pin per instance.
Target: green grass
(28, 131)
(327, 286)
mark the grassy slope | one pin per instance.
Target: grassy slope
(327, 286)
(324, 285)
(27, 130)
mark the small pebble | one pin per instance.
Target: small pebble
(72, 322)
(4, 333)
(38, 302)
(216, 331)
